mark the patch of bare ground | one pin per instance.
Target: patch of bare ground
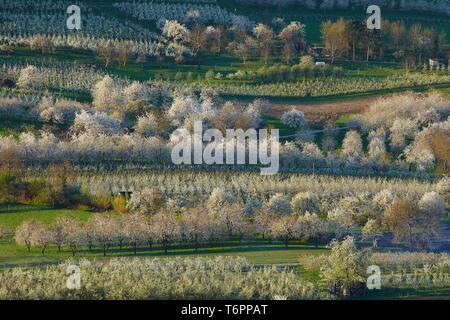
(324, 112)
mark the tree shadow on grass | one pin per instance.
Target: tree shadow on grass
(18, 208)
(205, 249)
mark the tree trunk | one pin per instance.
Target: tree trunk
(410, 239)
(354, 51)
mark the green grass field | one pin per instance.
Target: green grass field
(14, 215)
(257, 252)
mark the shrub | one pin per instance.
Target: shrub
(119, 204)
(101, 201)
(209, 75)
(35, 187)
(294, 119)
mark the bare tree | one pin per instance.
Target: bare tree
(124, 52)
(440, 142)
(197, 38)
(335, 38)
(60, 175)
(106, 52)
(265, 36)
(243, 49)
(398, 32)
(402, 218)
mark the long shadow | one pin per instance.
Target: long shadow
(15, 209)
(187, 249)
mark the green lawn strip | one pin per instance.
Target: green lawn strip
(257, 252)
(14, 215)
(274, 122)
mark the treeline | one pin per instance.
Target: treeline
(149, 218)
(436, 6)
(54, 190)
(412, 45)
(196, 227)
(281, 41)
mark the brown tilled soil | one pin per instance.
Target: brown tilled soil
(324, 111)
